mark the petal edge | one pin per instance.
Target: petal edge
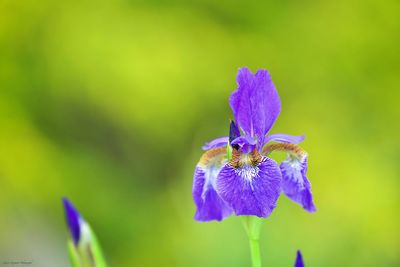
(253, 190)
(295, 183)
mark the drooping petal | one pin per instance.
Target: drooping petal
(73, 220)
(299, 260)
(295, 183)
(209, 204)
(251, 189)
(255, 103)
(218, 142)
(284, 138)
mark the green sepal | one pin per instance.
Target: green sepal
(228, 151)
(88, 252)
(97, 252)
(73, 254)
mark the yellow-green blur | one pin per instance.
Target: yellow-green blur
(109, 103)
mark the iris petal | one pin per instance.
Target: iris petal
(255, 103)
(251, 189)
(218, 142)
(209, 204)
(295, 183)
(285, 138)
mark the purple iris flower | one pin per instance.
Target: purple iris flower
(249, 182)
(299, 260)
(74, 221)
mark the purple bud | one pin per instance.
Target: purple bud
(73, 220)
(299, 260)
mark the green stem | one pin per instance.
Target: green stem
(252, 226)
(255, 252)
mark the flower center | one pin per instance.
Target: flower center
(246, 164)
(245, 159)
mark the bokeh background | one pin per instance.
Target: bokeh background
(109, 103)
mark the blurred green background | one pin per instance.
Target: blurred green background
(109, 103)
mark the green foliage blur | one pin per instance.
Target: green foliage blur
(109, 103)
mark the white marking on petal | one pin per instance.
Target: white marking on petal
(86, 233)
(293, 170)
(247, 172)
(210, 164)
(210, 178)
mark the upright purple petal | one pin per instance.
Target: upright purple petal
(218, 142)
(73, 220)
(255, 104)
(209, 204)
(240, 100)
(251, 189)
(267, 103)
(295, 183)
(284, 138)
(299, 260)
